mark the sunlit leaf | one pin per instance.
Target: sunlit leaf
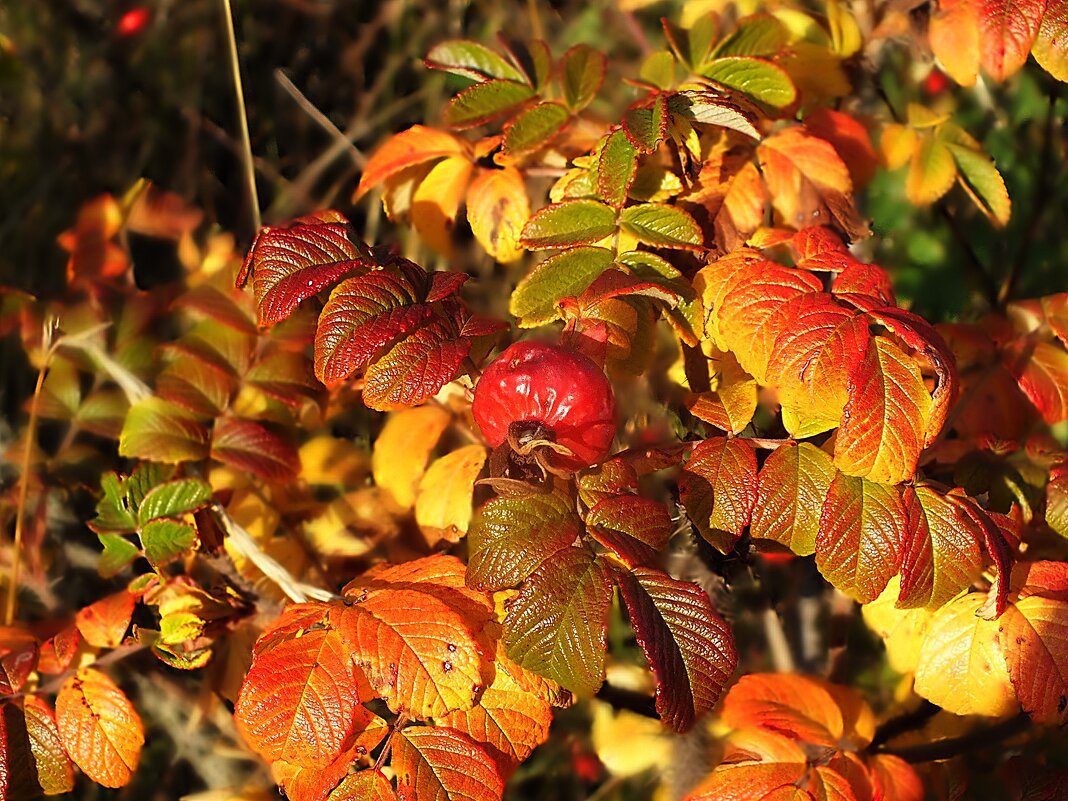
(932, 171)
(791, 490)
(437, 200)
(616, 168)
(661, 226)
(443, 765)
(415, 369)
(497, 209)
(443, 505)
(166, 540)
(581, 74)
(573, 222)
(885, 420)
(414, 146)
(535, 127)
(562, 275)
(403, 448)
(861, 537)
(483, 102)
(174, 498)
(510, 538)
(471, 60)
(104, 623)
(53, 769)
(557, 625)
(160, 431)
(99, 728)
(719, 489)
(761, 80)
(1051, 44)
(645, 123)
(960, 666)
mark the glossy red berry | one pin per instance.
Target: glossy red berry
(133, 21)
(564, 391)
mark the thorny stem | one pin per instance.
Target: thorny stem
(242, 113)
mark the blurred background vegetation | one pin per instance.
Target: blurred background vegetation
(95, 94)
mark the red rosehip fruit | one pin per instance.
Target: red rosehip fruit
(538, 391)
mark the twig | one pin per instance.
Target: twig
(779, 647)
(24, 476)
(396, 726)
(246, 141)
(909, 721)
(953, 746)
(296, 591)
(324, 122)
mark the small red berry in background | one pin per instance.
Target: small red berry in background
(133, 21)
(935, 83)
(560, 389)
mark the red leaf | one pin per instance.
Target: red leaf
(416, 368)
(18, 658)
(363, 315)
(689, 646)
(294, 262)
(252, 446)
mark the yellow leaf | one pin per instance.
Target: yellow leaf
(897, 144)
(403, 448)
(443, 504)
(349, 526)
(902, 630)
(931, 172)
(497, 209)
(845, 34)
(961, 668)
(334, 462)
(436, 201)
(626, 742)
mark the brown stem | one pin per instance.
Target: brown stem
(631, 701)
(396, 726)
(954, 746)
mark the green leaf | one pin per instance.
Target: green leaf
(163, 432)
(692, 46)
(509, 538)
(758, 35)
(616, 168)
(792, 487)
(658, 69)
(663, 226)
(573, 222)
(645, 124)
(581, 75)
(173, 499)
(761, 80)
(707, 108)
(112, 511)
(118, 552)
(483, 102)
(166, 540)
(983, 182)
(688, 645)
(563, 275)
(472, 60)
(535, 127)
(557, 624)
(103, 412)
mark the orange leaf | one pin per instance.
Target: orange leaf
(1033, 636)
(497, 209)
(808, 182)
(954, 36)
(445, 765)
(19, 651)
(861, 537)
(365, 785)
(894, 779)
(92, 253)
(300, 701)
(884, 422)
(510, 720)
(754, 311)
(774, 781)
(418, 634)
(719, 488)
(850, 139)
(1041, 369)
(104, 623)
(99, 728)
(417, 145)
(799, 707)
